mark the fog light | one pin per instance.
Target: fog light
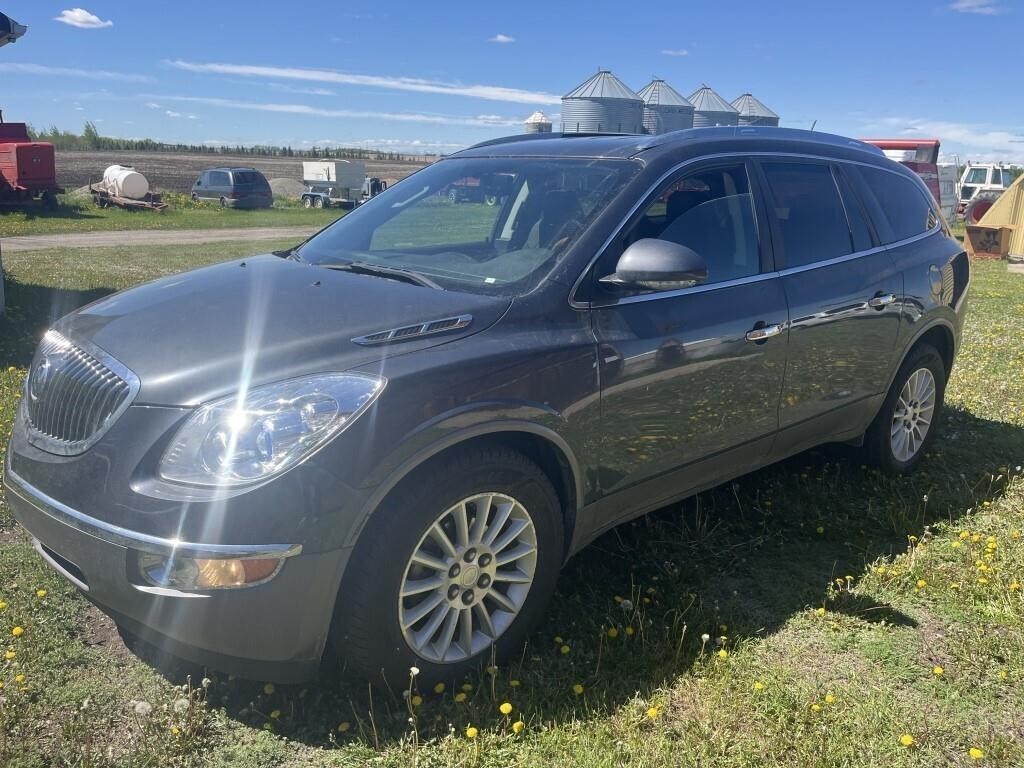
(200, 573)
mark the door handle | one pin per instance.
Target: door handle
(764, 332)
(881, 300)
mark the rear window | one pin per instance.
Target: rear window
(249, 177)
(810, 214)
(901, 204)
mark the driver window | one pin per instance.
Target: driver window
(710, 211)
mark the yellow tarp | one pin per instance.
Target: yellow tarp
(1008, 211)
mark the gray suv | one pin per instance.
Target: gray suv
(384, 443)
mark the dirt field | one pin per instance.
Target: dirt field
(175, 172)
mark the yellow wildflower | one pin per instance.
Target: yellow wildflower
(723, 654)
(18, 631)
(830, 698)
(654, 712)
(613, 632)
(460, 697)
(921, 583)
(938, 671)
(344, 726)
(577, 689)
(514, 683)
(907, 740)
(10, 654)
(815, 707)
(758, 685)
(19, 679)
(268, 688)
(975, 753)
(564, 649)
(505, 708)
(439, 688)
(472, 733)
(467, 687)
(3, 604)
(416, 700)
(629, 631)
(40, 593)
(517, 726)
(275, 714)
(820, 611)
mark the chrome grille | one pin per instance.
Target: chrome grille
(73, 395)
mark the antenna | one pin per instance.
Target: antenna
(813, 123)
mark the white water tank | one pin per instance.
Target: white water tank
(125, 181)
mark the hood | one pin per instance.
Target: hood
(193, 337)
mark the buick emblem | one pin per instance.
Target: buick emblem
(42, 374)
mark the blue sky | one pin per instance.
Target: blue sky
(435, 76)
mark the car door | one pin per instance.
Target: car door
(690, 378)
(844, 294)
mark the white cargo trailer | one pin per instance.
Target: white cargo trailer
(346, 176)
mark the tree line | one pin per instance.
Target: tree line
(90, 139)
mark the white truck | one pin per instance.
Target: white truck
(981, 185)
(333, 182)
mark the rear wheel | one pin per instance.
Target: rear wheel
(195, 198)
(461, 560)
(223, 203)
(318, 202)
(905, 425)
(307, 202)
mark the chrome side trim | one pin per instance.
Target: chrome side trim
(739, 281)
(142, 542)
(415, 331)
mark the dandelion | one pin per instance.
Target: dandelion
(180, 706)
(18, 631)
(938, 671)
(975, 753)
(1015, 535)
(820, 611)
(460, 697)
(975, 538)
(654, 713)
(416, 700)
(964, 535)
(921, 583)
(705, 637)
(723, 654)
(577, 689)
(821, 529)
(467, 687)
(830, 698)
(907, 740)
(206, 682)
(268, 688)
(518, 726)
(613, 632)
(627, 605)
(3, 604)
(143, 709)
(10, 654)
(40, 593)
(19, 679)
(414, 671)
(618, 598)
(558, 640)
(881, 570)
(439, 688)
(1014, 586)
(815, 707)
(505, 708)
(1003, 674)
(514, 683)
(472, 733)
(758, 685)
(344, 726)
(275, 714)
(564, 649)
(629, 631)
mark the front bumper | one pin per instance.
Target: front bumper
(276, 630)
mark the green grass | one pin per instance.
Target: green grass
(833, 591)
(80, 215)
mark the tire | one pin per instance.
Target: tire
(195, 198)
(889, 443)
(979, 206)
(318, 202)
(223, 203)
(491, 200)
(307, 202)
(367, 631)
(453, 196)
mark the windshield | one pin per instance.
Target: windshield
(488, 225)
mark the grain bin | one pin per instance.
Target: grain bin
(665, 109)
(754, 112)
(710, 109)
(603, 104)
(538, 122)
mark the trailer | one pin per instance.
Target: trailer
(152, 201)
(28, 171)
(333, 182)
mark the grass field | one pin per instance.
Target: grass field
(80, 215)
(812, 614)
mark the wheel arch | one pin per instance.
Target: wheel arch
(551, 452)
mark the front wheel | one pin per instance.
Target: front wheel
(462, 560)
(307, 202)
(905, 425)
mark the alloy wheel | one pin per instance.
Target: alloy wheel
(468, 578)
(912, 417)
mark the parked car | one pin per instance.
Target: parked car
(393, 435)
(234, 188)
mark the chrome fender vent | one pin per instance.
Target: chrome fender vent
(407, 332)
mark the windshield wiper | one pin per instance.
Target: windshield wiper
(395, 273)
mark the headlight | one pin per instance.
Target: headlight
(245, 438)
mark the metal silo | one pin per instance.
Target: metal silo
(710, 109)
(754, 112)
(665, 109)
(603, 104)
(538, 122)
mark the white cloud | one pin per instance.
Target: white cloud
(983, 7)
(489, 92)
(173, 114)
(90, 74)
(305, 109)
(500, 38)
(153, 105)
(675, 52)
(304, 91)
(977, 140)
(81, 18)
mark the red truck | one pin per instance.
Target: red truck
(27, 168)
(922, 157)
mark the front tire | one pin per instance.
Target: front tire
(906, 423)
(461, 560)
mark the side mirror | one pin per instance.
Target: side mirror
(659, 265)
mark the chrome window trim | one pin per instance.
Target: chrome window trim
(743, 280)
(58, 446)
(141, 542)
